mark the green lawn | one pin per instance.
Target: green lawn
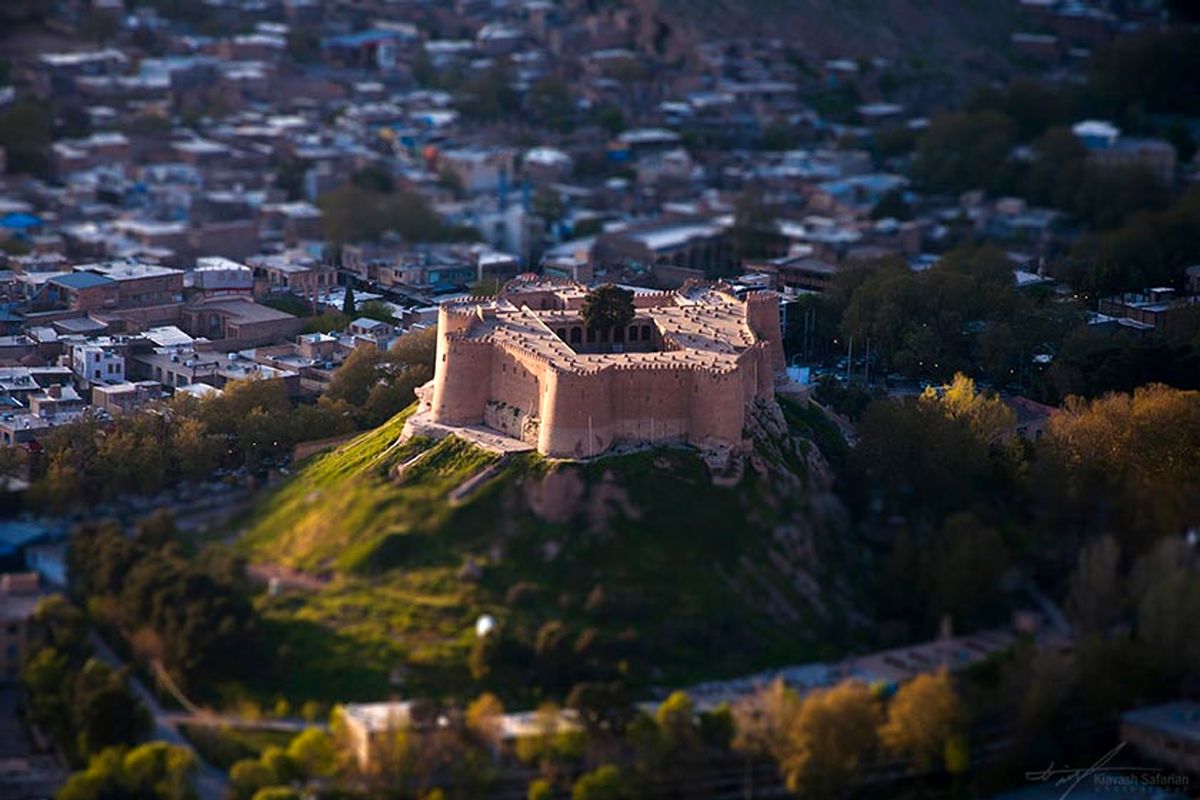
(345, 506)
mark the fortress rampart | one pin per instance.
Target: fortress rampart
(520, 365)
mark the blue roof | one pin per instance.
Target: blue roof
(19, 219)
(80, 280)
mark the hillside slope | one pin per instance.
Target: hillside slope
(643, 566)
(948, 43)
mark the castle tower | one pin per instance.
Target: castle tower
(462, 371)
(762, 317)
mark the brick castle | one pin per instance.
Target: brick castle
(525, 364)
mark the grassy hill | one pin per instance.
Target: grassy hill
(642, 566)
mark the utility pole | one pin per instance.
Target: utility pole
(590, 453)
(867, 364)
(849, 358)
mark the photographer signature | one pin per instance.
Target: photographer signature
(1071, 778)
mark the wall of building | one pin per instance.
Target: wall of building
(576, 414)
(462, 390)
(515, 395)
(651, 405)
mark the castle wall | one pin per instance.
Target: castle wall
(650, 404)
(576, 414)
(766, 372)
(718, 405)
(752, 365)
(515, 394)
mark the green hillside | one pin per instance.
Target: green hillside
(634, 565)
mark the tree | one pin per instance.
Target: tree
(676, 718)
(962, 150)
(374, 179)
(763, 720)
(484, 719)
(195, 452)
(277, 793)
(106, 712)
(834, 730)
(602, 783)
(353, 213)
(416, 348)
(62, 624)
(1095, 587)
(26, 131)
(923, 719)
(551, 104)
(985, 414)
(754, 229)
(607, 307)
(1129, 464)
(892, 205)
(376, 310)
(1165, 585)
(248, 776)
(611, 119)
(540, 789)
(313, 753)
(348, 302)
(153, 771)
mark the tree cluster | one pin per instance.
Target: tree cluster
(964, 498)
(81, 702)
(368, 208)
(959, 315)
(189, 612)
(829, 739)
(152, 771)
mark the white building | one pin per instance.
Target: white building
(96, 364)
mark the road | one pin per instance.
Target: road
(211, 783)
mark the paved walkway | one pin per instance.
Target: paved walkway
(211, 783)
(421, 424)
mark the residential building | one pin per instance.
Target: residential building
(1167, 734)
(122, 398)
(98, 364)
(19, 596)
(238, 319)
(1161, 308)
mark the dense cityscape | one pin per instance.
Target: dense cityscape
(599, 399)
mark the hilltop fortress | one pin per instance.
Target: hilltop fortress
(526, 365)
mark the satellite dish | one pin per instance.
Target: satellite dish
(484, 625)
